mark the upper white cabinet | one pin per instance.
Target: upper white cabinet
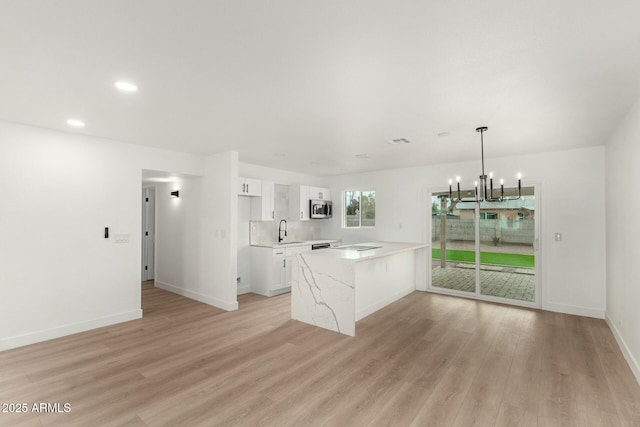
(249, 187)
(299, 202)
(319, 193)
(299, 197)
(263, 207)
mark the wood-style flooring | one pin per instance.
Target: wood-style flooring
(425, 360)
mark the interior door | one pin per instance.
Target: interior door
(148, 233)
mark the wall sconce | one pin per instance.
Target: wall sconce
(175, 194)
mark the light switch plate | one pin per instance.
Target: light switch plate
(558, 237)
(120, 238)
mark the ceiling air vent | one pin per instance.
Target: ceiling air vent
(399, 141)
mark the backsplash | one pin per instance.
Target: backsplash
(267, 231)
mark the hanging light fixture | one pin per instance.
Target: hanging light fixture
(481, 194)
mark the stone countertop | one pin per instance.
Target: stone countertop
(385, 249)
(274, 245)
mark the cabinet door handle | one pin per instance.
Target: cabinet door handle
(247, 187)
(273, 214)
(301, 215)
(284, 263)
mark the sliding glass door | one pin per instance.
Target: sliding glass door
(453, 244)
(485, 249)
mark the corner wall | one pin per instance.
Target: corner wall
(196, 234)
(623, 232)
(58, 274)
(572, 203)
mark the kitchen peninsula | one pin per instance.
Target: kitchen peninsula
(334, 288)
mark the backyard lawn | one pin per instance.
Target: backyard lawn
(494, 258)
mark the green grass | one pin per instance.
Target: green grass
(494, 258)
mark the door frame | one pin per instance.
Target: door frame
(148, 225)
(539, 259)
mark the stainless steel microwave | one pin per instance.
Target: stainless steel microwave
(320, 209)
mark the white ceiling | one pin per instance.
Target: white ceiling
(307, 86)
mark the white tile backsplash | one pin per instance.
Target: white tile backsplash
(267, 231)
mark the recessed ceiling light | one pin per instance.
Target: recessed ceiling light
(126, 86)
(75, 123)
(399, 141)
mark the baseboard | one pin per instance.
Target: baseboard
(244, 289)
(70, 329)
(279, 291)
(572, 309)
(225, 305)
(631, 361)
(361, 314)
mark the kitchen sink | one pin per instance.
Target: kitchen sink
(288, 243)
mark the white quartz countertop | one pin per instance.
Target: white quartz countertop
(385, 249)
(292, 244)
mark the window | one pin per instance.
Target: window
(488, 215)
(359, 209)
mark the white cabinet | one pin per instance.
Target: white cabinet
(267, 271)
(278, 266)
(271, 269)
(263, 207)
(319, 193)
(299, 202)
(288, 260)
(249, 186)
(299, 197)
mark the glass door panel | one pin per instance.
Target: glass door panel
(453, 245)
(507, 258)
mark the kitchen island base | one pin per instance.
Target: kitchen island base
(334, 288)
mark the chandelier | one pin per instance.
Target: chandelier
(482, 195)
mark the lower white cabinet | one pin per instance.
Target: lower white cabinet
(271, 269)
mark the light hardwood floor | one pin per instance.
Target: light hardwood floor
(425, 360)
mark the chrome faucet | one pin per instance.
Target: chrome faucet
(280, 238)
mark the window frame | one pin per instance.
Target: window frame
(344, 208)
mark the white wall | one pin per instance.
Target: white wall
(281, 176)
(196, 234)
(572, 202)
(177, 236)
(219, 231)
(58, 275)
(623, 232)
